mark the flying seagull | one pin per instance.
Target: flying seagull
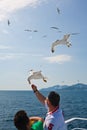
(58, 10)
(36, 75)
(44, 36)
(54, 27)
(8, 22)
(35, 31)
(28, 30)
(63, 41)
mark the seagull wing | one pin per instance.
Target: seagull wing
(36, 75)
(29, 78)
(35, 31)
(28, 30)
(54, 44)
(41, 76)
(74, 33)
(58, 10)
(66, 36)
(8, 22)
(55, 27)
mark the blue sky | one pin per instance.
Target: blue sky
(21, 51)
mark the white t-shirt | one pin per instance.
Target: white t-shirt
(54, 120)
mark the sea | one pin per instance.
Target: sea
(73, 104)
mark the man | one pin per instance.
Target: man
(54, 119)
(23, 122)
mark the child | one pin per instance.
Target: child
(23, 122)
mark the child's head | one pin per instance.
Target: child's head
(21, 120)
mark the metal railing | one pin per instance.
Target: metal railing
(76, 118)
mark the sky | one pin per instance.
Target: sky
(26, 42)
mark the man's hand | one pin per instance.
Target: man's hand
(34, 87)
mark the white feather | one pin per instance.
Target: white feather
(63, 41)
(36, 75)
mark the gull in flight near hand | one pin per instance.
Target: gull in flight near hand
(63, 41)
(36, 75)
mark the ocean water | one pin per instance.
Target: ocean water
(73, 104)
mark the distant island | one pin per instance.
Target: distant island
(74, 86)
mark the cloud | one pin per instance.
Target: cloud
(37, 55)
(9, 6)
(2, 47)
(58, 59)
(6, 56)
(11, 56)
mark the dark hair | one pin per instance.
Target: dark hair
(54, 98)
(21, 120)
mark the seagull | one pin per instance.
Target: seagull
(44, 36)
(35, 31)
(36, 75)
(63, 41)
(28, 30)
(58, 10)
(54, 27)
(8, 22)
